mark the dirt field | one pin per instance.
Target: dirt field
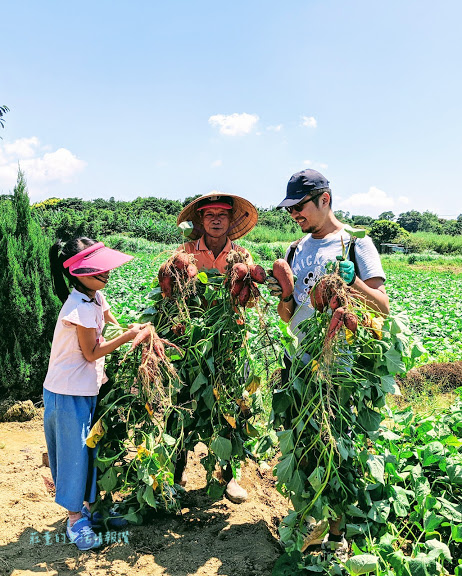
(210, 538)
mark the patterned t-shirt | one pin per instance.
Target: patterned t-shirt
(309, 264)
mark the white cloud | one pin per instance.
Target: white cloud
(309, 121)
(307, 162)
(375, 198)
(323, 166)
(40, 167)
(403, 200)
(23, 147)
(277, 128)
(216, 163)
(234, 124)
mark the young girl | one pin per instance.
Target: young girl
(75, 374)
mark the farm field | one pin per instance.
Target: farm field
(209, 538)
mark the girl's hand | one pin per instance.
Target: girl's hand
(134, 329)
(146, 333)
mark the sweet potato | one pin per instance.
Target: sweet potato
(284, 276)
(318, 296)
(254, 291)
(181, 260)
(336, 322)
(143, 335)
(244, 295)
(335, 302)
(257, 273)
(236, 287)
(191, 270)
(351, 321)
(240, 271)
(165, 280)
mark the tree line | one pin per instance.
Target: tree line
(155, 219)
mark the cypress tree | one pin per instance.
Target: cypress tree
(28, 306)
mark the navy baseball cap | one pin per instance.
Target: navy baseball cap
(301, 184)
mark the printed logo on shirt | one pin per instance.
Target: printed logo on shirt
(308, 274)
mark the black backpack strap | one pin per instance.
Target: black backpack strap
(352, 254)
(292, 248)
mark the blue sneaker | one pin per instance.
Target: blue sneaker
(82, 535)
(115, 520)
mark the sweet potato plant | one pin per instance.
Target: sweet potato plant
(205, 389)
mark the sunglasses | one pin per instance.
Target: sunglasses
(299, 207)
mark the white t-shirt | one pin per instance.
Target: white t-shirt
(309, 264)
(68, 371)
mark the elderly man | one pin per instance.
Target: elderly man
(218, 220)
(309, 203)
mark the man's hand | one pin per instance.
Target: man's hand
(274, 287)
(346, 269)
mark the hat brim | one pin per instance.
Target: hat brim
(101, 260)
(292, 201)
(245, 217)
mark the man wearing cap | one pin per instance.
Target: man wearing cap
(309, 202)
(218, 220)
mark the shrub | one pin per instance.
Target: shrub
(386, 231)
(29, 308)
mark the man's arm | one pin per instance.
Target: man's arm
(373, 289)
(286, 309)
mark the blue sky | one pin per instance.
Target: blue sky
(172, 99)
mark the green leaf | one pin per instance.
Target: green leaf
(400, 501)
(297, 483)
(422, 489)
(287, 564)
(285, 468)
(438, 549)
(423, 565)
(281, 401)
(456, 532)
(362, 564)
(395, 365)
(215, 490)
(149, 497)
(316, 477)
(186, 228)
(169, 440)
(380, 511)
(355, 530)
(431, 521)
(369, 419)
(222, 448)
(454, 470)
(389, 385)
(202, 277)
(356, 232)
(108, 480)
(208, 397)
(354, 511)
(449, 511)
(199, 381)
(286, 442)
(376, 465)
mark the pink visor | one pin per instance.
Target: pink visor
(95, 259)
(216, 205)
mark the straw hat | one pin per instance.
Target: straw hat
(244, 218)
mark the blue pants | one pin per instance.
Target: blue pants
(67, 422)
